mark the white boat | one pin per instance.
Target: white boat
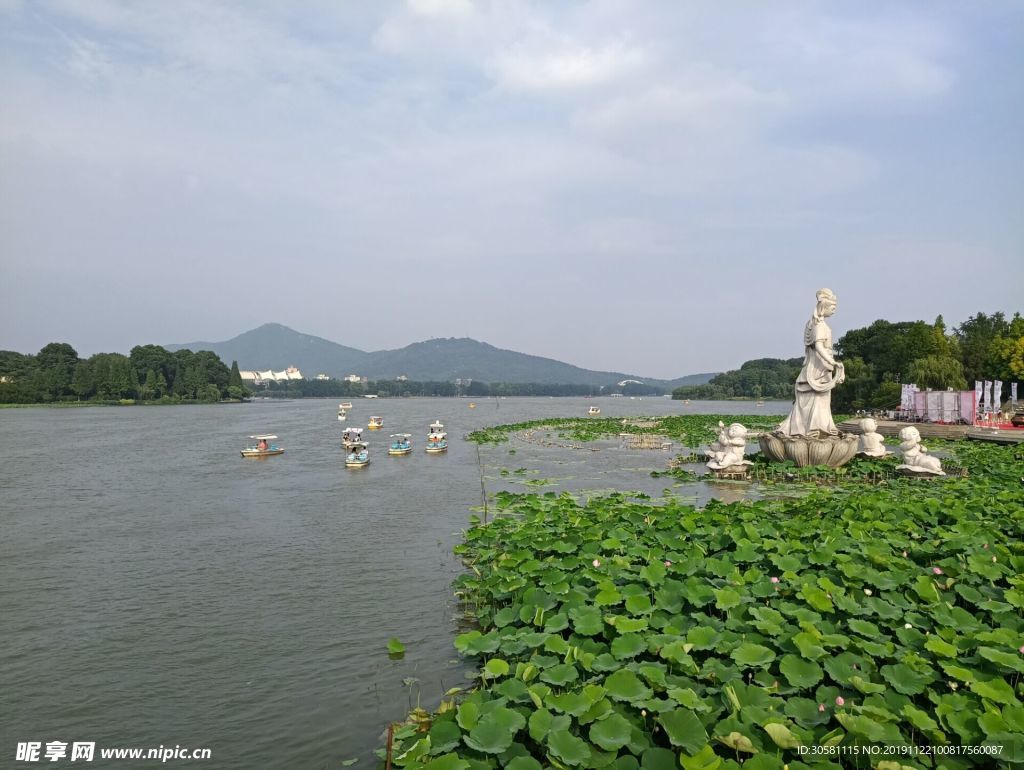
(262, 446)
(358, 455)
(437, 439)
(594, 410)
(351, 436)
(345, 405)
(370, 395)
(375, 423)
(342, 412)
(400, 444)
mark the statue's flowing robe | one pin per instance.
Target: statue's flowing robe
(812, 409)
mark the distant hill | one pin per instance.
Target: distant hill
(273, 346)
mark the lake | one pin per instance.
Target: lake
(158, 589)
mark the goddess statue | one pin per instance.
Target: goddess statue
(812, 409)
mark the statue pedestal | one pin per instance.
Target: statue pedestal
(823, 449)
(917, 472)
(735, 472)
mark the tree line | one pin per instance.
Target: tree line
(475, 389)
(149, 373)
(881, 356)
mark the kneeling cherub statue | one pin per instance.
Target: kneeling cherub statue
(728, 451)
(871, 442)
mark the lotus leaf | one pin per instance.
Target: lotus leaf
(705, 759)
(611, 733)
(567, 747)
(684, 729)
(905, 679)
(561, 674)
(624, 685)
(753, 655)
(799, 672)
(447, 762)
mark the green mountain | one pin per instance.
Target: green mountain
(273, 346)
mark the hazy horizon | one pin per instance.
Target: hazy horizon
(656, 189)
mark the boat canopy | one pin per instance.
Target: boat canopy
(357, 445)
(375, 418)
(266, 437)
(401, 435)
(436, 424)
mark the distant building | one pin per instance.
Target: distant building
(258, 378)
(323, 377)
(401, 378)
(354, 378)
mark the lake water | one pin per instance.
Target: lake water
(158, 589)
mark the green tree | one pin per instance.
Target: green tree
(937, 372)
(976, 336)
(55, 368)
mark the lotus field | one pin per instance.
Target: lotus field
(854, 625)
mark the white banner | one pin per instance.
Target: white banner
(997, 396)
(988, 396)
(978, 387)
(950, 406)
(1013, 394)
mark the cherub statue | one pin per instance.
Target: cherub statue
(915, 457)
(870, 441)
(721, 444)
(733, 441)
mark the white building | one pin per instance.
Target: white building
(258, 378)
(354, 378)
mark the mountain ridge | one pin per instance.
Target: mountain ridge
(275, 346)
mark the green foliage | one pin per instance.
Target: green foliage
(761, 378)
(149, 373)
(690, 430)
(895, 618)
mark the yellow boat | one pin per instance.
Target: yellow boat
(375, 423)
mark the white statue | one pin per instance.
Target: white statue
(721, 443)
(915, 457)
(812, 410)
(870, 441)
(732, 443)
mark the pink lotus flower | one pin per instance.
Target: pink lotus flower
(597, 562)
(821, 708)
(985, 546)
(668, 563)
(936, 570)
(840, 701)
(904, 554)
(1021, 650)
(775, 579)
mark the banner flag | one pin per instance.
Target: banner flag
(977, 398)
(1013, 394)
(988, 396)
(997, 396)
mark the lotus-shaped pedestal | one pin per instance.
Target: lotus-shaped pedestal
(819, 449)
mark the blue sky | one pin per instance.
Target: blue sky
(652, 187)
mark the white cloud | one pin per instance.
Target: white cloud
(566, 65)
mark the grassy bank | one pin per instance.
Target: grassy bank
(852, 626)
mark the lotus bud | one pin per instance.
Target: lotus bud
(840, 701)
(867, 592)
(821, 708)
(597, 562)
(907, 625)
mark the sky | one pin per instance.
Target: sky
(656, 188)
